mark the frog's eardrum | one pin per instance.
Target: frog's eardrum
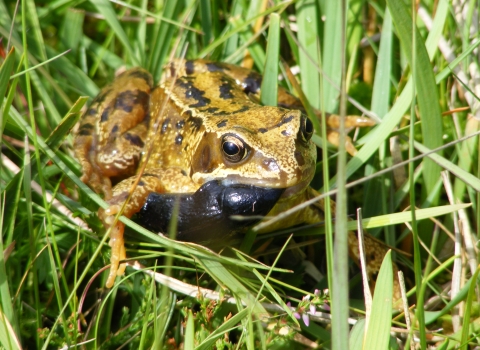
(210, 212)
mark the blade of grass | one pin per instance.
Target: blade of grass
(224, 328)
(425, 86)
(339, 296)
(8, 338)
(308, 34)
(71, 31)
(35, 42)
(6, 306)
(210, 48)
(383, 70)
(141, 34)
(461, 174)
(399, 218)
(225, 279)
(269, 88)
(207, 21)
(378, 135)
(189, 341)
(163, 34)
(357, 334)
(6, 70)
(104, 7)
(468, 310)
(378, 332)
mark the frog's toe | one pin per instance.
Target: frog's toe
(355, 121)
(117, 244)
(334, 138)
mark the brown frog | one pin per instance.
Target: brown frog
(201, 125)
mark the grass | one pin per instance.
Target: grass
(55, 54)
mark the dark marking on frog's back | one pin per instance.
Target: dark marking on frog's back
(242, 109)
(92, 111)
(191, 91)
(135, 140)
(114, 129)
(222, 123)
(105, 115)
(142, 75)
(215, 67)
(189, 67)
(252, 83)
(285, 133)
(263, 130)
(223, 112)
(85, 129)
(165, 126)
(102, 96)
(178, 139)
(226, 90)
(127, 100)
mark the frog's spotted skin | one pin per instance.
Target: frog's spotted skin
(201, 123)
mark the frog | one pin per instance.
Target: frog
(201, 131)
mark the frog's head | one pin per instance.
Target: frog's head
(260, 146)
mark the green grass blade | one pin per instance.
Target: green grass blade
(357, 334)
(307, 21)
(189, 342)
(226, 279)
(6, 70)
(162, 36)
(378, 332)
(406, 216)
(269, 90)
(67, 123)
(381, 85)
(425, 87)
(8, 338)
(141, 34)
(71, 31)
(468, 311)
(207, 21)
(225, 327)
(468, 178)
(35, 42)
(332, 55)
(104, 7)
(8, 320)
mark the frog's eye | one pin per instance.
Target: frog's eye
(306, 128)
(233, 148)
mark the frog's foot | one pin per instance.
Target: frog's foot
(118, 253)
(334, 138)
(98, 182)
(117, 243)
(351, 121)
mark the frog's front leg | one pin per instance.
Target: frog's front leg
(153, 180)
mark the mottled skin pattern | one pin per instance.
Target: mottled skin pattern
(201, 123)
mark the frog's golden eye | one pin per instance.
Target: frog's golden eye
(234, 149)
(306, 128)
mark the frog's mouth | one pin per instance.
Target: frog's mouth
(210, 212)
